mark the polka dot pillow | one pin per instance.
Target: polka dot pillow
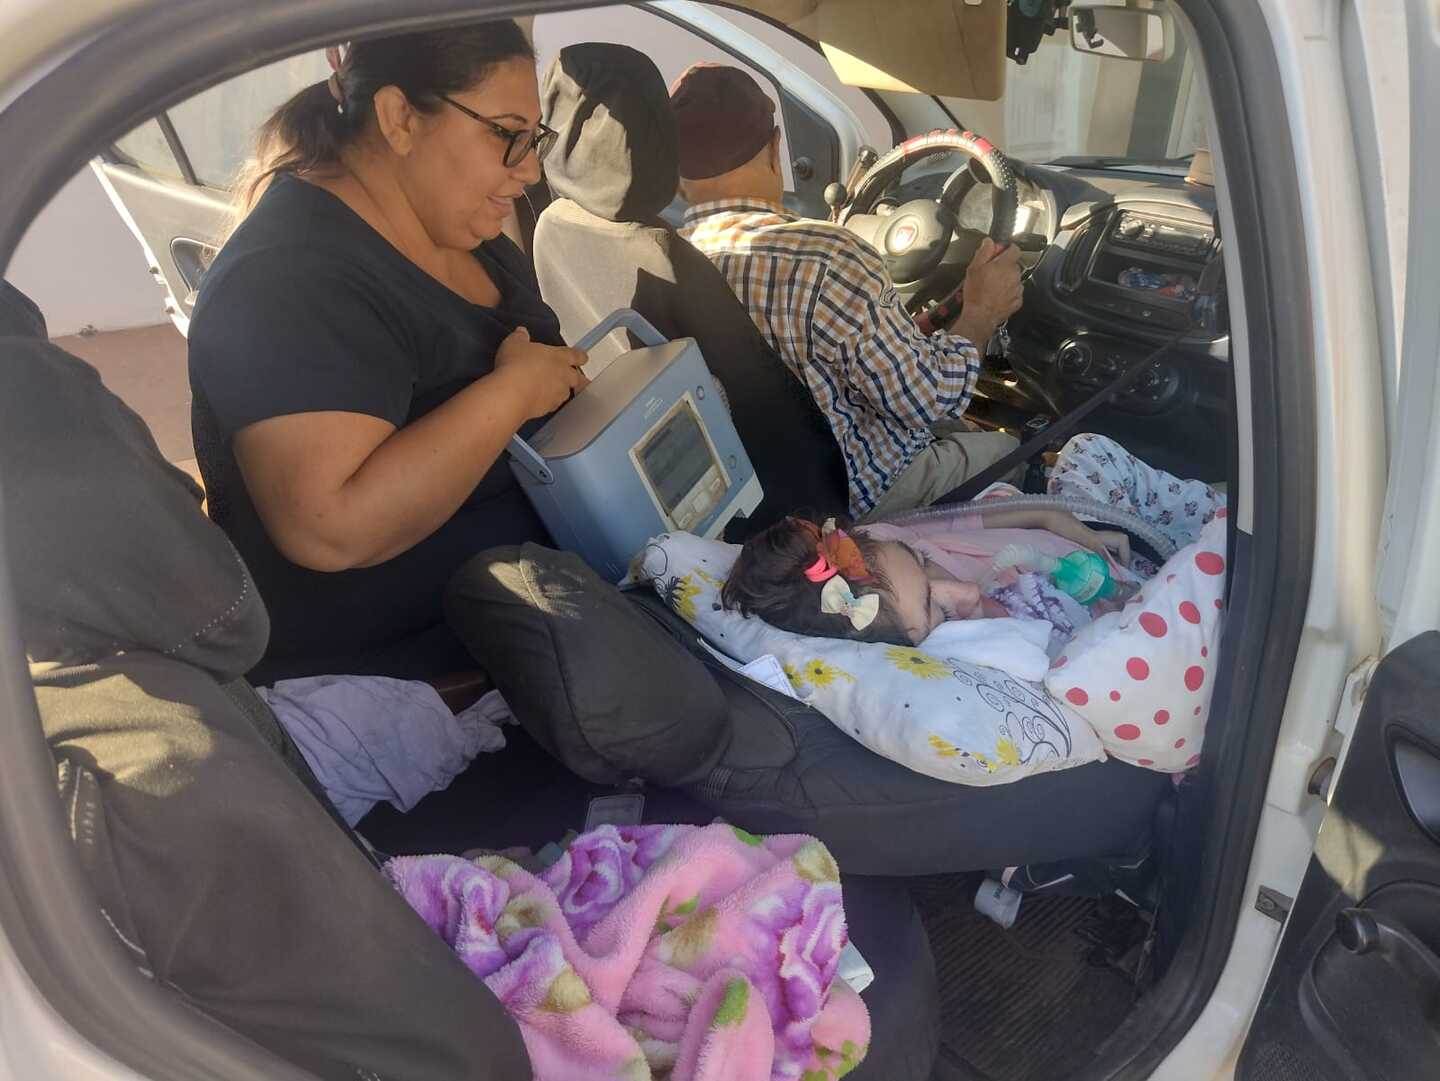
(1142, 677)
(935, 714)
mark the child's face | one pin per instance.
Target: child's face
(923, 595)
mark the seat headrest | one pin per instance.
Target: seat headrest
(616, 156)
(108, 547)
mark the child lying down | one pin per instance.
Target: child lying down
(897, 583)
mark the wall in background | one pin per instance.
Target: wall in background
(80, 263)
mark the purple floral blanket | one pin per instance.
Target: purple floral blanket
(684, 952)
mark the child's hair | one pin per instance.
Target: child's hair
(769, 581)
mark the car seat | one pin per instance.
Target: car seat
(601, 677)
(600, 245)
(213, 854)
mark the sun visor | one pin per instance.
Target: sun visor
(950, 48)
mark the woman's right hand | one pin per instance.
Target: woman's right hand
(549, 374)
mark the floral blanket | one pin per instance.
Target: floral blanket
(680, 952)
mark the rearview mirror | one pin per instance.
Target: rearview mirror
(1122, 33)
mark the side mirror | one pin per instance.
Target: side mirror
(1121, 33)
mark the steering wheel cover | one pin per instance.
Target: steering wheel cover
(996, 165)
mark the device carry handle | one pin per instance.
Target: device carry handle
(628, 318)
(527, 456)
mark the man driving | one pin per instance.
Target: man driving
(823, 299)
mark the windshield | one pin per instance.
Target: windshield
(1062, 104)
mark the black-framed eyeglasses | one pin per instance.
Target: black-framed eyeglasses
(518, 143)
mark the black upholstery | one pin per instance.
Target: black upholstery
(782, 767)
(601, 246)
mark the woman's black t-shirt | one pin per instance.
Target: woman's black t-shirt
(307, 309)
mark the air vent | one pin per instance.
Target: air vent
(1077, 256)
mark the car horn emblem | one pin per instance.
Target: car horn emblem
(903, 235)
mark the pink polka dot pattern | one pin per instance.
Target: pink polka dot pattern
(1219, 603)
(1210, 563)
(1194, 677)
(1138, 668)
(1188, 612)
(1192, 760)
(1222, 513)
(1179, 743)
(1162, 716)
(1114, 696)
(1059, 663)
(1076, 697)
(1154, 625)
(1127, 731)
(1144, 762)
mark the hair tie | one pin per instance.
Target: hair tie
(821, 570)
(336, 59)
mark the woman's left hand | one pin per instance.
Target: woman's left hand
(1099, 541)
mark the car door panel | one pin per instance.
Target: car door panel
(1355, 984)
(179, 225)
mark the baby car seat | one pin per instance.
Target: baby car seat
(618, 686)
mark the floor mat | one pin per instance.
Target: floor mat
(1024, 1004)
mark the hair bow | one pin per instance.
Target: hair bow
(837, 553)
(837, 598)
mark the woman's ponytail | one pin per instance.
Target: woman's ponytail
(307, 133)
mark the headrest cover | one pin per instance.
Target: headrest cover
(616, 153)
(722, 119)
(109, 549)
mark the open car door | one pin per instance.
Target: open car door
(1355, 987)
(170, 179)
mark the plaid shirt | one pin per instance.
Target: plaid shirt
(824, 301)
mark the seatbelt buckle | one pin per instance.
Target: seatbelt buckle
(624, 809)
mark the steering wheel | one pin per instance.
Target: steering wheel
(915, 237)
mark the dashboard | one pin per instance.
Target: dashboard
(1117, 264)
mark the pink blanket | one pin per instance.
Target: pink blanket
(703, 953)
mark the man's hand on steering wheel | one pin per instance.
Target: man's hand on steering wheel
(992, 292)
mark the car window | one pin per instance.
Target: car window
(1062, 103)
(217, 128)
(148, 148)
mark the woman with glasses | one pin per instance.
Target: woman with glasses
(367, 341)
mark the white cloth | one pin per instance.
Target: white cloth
(1016, 647)
(370, 738)
(766, 670)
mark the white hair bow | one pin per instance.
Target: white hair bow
(836, 597)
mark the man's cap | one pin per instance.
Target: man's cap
(722, 119)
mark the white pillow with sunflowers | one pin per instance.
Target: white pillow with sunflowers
(938, 716)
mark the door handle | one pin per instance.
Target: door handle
(1417, 771)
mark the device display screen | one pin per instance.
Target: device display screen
(675, 458)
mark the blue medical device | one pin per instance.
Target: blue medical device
(647, 448)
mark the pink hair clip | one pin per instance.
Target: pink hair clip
(821, 570)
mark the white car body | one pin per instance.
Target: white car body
(1348, 87)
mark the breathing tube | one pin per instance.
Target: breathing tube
(1089, 510)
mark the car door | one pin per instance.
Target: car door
(1355, 985)
(171, 178)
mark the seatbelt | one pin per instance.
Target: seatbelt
(1061, 428)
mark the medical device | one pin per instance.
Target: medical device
(647, 448)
